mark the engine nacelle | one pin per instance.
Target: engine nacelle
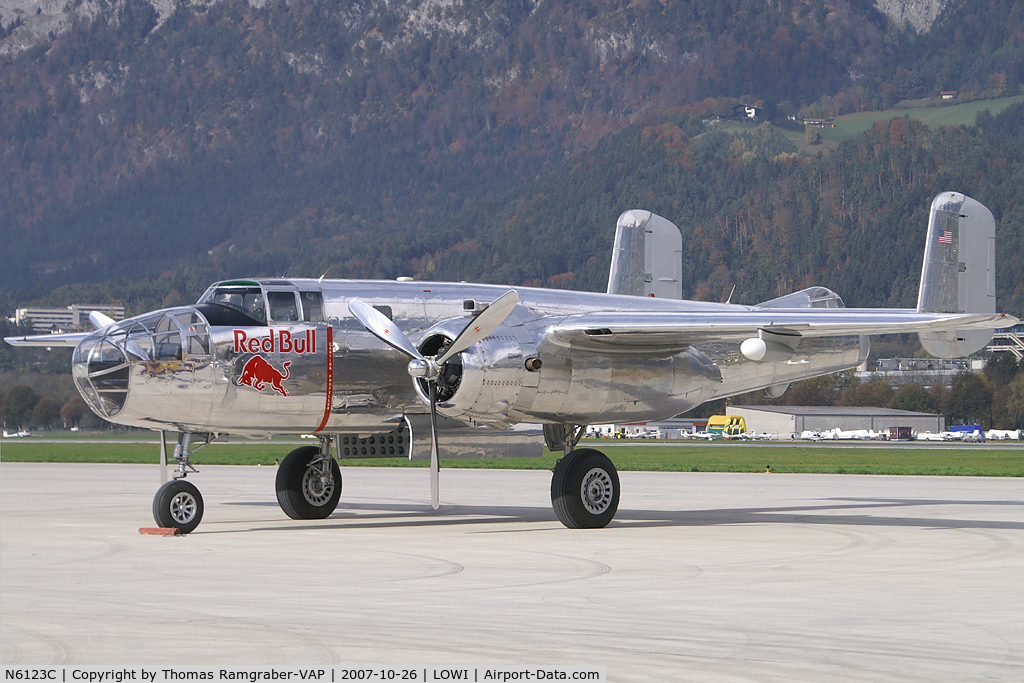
(479, 384)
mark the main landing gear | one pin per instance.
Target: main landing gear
(584, 483)
(309, 482)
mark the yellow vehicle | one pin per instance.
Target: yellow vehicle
(727, 425)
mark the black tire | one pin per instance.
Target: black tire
(299, 489)
(178, 505)
(585, 489)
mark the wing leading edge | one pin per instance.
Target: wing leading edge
(633, 331)
(69, 339)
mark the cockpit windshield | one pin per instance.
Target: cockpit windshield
(247, 299)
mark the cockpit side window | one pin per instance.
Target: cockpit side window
(197, 340)
(248, 300)
(282, 307)
(312, 306)
(166, 340)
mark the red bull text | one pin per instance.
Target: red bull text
(279, 341)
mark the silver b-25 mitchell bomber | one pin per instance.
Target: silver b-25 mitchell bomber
(385, 369)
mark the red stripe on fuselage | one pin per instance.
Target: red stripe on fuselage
(330, 378)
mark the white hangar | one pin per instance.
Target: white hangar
(787, 420)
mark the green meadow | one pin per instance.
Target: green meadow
(851, 125)
(966, 460)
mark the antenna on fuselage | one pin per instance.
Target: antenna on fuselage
(733, 291)
(323, 275)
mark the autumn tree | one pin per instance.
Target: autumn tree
(18, 405)
(1015, 402)
(866, 394)
(73, 411)
(969, 401)
(915, 398)
(1001, 368)
(46, 413)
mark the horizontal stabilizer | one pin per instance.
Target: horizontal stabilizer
(100, 320)
(69, 339)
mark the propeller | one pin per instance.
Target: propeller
(427, 368)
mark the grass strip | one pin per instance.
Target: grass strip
(685, 457)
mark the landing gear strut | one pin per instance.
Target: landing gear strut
(309, 482)
(178, 503)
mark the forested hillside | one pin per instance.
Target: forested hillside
(144, 152)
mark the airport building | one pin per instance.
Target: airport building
(1008, 340)
(787, 420)
(898, 372)
(71, 319)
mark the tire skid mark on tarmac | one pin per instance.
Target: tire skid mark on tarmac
(15, 652)
(450, 566)
(112, 548)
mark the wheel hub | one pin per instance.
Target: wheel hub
(316, 487)
(183, 508)
(596, 491)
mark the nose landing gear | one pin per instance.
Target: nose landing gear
(178, 503)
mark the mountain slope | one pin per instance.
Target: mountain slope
(149, 127)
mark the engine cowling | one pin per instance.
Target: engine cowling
(481, 383)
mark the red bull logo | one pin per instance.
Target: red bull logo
(257, 373)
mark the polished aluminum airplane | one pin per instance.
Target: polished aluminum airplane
(424, 370)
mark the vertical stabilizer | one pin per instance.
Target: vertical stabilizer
(647, 259)
(959, 274)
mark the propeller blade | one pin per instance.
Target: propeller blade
(435, 459)
(482, 325)
(382, 328)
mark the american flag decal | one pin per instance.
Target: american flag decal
(946, 237)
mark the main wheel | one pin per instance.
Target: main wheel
(303, 490)
(585, 489)
(178, 505)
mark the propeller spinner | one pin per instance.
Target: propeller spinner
(428, 368)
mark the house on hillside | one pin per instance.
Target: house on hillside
(746, 111)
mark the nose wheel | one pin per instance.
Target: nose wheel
(178, 505)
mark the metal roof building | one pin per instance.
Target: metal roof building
(795, 419)
(72, 318)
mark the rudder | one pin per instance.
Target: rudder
(647, 257)
(959, 271)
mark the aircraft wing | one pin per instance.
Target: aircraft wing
(69, 339)
(633, 331)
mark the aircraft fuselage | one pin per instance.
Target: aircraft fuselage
(309, 366)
